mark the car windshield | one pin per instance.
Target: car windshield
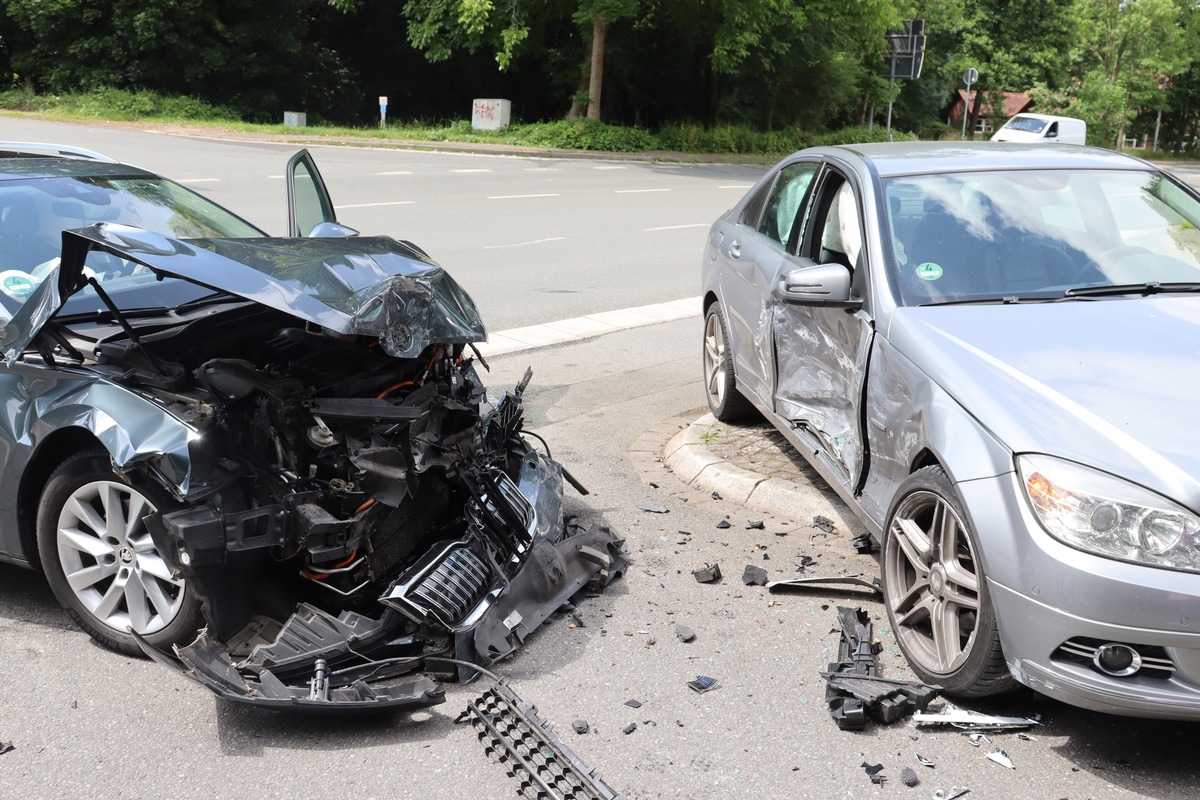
(1037, 234)
(35, 211)
(1026, 124)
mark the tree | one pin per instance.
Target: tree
(248, 54)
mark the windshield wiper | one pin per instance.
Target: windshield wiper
(979, 301)
(1147, 288)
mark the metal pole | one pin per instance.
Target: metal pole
(1157, 124)
(967, 110)
(871, 118)
(891, 95)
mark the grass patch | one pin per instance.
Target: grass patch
(579, 134)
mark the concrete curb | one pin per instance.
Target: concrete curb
(694, 463)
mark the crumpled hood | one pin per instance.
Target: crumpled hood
(374, 286)
(1110, 383)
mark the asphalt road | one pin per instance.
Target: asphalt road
(532, 239)
(88, 723)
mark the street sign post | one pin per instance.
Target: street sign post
(382, 110)
(970, 76)
(908, 54)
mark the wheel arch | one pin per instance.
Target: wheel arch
(50, 453)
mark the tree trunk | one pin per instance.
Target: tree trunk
(597, 74)
(578, 107)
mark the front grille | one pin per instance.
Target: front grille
(448, 585)
(1080, 650)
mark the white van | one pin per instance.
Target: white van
(1043, 128)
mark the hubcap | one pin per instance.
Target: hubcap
(110, 561)
(714, 361)
(932, 583)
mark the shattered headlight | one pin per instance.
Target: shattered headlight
(1108, 516)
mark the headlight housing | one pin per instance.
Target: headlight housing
(1108, 516)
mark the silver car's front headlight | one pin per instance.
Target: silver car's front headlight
(1096, 512)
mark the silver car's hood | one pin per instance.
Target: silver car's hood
(373, 286)
(1110, 383)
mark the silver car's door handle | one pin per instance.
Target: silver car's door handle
(735, 249)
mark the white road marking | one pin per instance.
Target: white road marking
(520, 196)
(609, 166)
(395, 172)
(277, 177)
(573, 330)
(374, 205)
(470, 170)
(522, 244)
(639, 191)
(197, 180)
(677, 227)
(542, 169)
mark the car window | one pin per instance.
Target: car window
(785, 200)
(35, 211)
(753, 210)
(1037, 233)
(836, 226)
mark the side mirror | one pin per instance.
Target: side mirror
(332, 230)
(822, 285)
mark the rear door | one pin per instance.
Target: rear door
(758, 249)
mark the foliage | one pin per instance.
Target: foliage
(117, 104)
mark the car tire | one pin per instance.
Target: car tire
(936, 592)
(100, 561)
(720, 386)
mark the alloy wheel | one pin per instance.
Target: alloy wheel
(714, 360)
(110, 562)
(932, 583)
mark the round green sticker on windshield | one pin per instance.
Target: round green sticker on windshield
(929, 271)
(16, 285)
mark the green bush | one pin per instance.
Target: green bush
(118, 104)
(581, 134)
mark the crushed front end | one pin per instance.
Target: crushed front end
(350, 502)
(354, 537)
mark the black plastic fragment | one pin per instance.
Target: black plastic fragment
(716, 495)
(754, 576)
(853, 686)
(634, 703)
(581, 726)
(654, 509)
(630, 728)
(708, 573)
(874, 772)
(909, 777)
(863, 544)
(756, 525)
(7, 747)
(723, 524)
(703, 684)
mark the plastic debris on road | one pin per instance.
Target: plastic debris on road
(854, 687)
(702, 684)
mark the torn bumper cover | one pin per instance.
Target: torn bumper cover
(319, 661)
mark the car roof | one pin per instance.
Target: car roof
(17, 167)
(915, 158)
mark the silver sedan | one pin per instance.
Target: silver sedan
(992, 354)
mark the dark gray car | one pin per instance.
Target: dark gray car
(992, 353)
(269, 463)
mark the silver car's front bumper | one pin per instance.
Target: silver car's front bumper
(1053, 602)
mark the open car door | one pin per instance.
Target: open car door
(310, 211)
